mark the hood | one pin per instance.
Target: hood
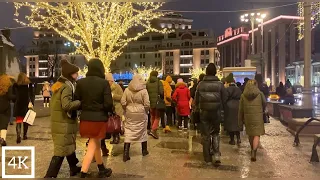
(5, 84)
(153, 79)
(181, 85)
(137, 83)
(251, 92)
(60, 82)
(169, 79)
(95, 68)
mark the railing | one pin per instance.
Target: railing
(296, 143)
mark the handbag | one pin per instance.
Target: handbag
(114, 124)
(30, 117)
(160, 105)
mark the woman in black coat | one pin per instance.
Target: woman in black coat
(24, 93)
(231, 111)
(6, 96)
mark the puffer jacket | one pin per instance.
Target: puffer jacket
(252, 104)
(117, 94)
(210, 94)
(154, 88)
(182, 97)
(63, 127)
(167, 90)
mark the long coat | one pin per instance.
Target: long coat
(117, 94)
(182, 97)
(135, 101)
(63, 127)
(24, 95)
(252, 104)
(5, 108)
(232, 108)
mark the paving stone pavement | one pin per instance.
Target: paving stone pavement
(178, 155)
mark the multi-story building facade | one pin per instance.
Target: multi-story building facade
(176, 53)
(281, 47)
(47, 49)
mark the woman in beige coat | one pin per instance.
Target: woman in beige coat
(135, 102)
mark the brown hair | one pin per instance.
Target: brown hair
(5, 84)
(23, 79)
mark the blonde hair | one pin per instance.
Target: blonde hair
(23, 79)
(5, 84)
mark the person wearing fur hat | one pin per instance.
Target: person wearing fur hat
(182, 97)
(64, 122)
(95, 95)
(231, 110)
(6, 96)
(46, 93)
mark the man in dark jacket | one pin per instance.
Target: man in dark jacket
(210, 98)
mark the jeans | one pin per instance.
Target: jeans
(11, 115)
(155, 118)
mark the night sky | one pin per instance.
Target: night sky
(216, 21)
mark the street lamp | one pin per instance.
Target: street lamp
(253, 18)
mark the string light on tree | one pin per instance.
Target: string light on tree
(145, 71)
(315, 17)
(99, 29)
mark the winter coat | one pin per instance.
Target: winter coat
(251, 110)
(95, 95)
(63, 127)
(167, 90)
(232, 107)
(5, 108)
(46, 91)
(155, 89)
(210, 94)
(182, 97)
(24, 95)
(264, 89)
(135, 101)
(117, 94)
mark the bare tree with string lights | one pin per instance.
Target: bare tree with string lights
(98, 29)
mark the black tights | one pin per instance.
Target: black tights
(231, 134)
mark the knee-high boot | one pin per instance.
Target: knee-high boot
(216, 148)
(238, 137)
(126, 156)
(105, 151)
(18, 130)
(25, 130)
(232, 142)
(54, 167)
(73, 161)
(144, 148)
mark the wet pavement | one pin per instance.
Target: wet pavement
(178, 155)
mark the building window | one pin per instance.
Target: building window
(157, 63)
(142, 47)
(157, 55)
(184, 70)
(207, 52)
(202, 61)
(127, 64)
(142, 63)
(202, 52)
(157, 46)
(167, 62)
(127, 56)
(171, 53)
(169, 45)
(171, 62)
(205, 43)
(142, 56)
(207, 61)
(167, 53)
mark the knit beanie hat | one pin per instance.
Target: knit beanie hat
(67, 68)
(229, 78)
(211, 70)
(180, 80)
(109, 77)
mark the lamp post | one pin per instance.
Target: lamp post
(253, 18)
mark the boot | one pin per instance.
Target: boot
(18, 130)
(216, 148)
(104, 172)
(54, 167)
(73, 161)
(144, 148)
(154, 134)
(238, 138)
(253, 155)
(25, 130)
(83, 175)
(48, 104)
(232, 142)
(44, 105)
(167, 129)
(116, 139)
(105, 151)
(126, 156)
(3, 142)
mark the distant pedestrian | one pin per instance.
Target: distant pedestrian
(289, 97)
(23, 91)
(182, 97)
(46, 93)
(263, 87)
(6, 96)
(12, 118)
(64, 122)
(231, 110)
(244, 84)
(135, 101)
(251, 110)
(281, 91)
(210, 98)
(168, 101)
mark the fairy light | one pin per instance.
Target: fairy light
(195, 73)
(315, 17)
(102, 29)
(145, 71)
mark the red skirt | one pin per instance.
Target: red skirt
(19, 119)
(91, 129)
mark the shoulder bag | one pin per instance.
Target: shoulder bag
(161, 106)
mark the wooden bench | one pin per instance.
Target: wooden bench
(314, 155)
